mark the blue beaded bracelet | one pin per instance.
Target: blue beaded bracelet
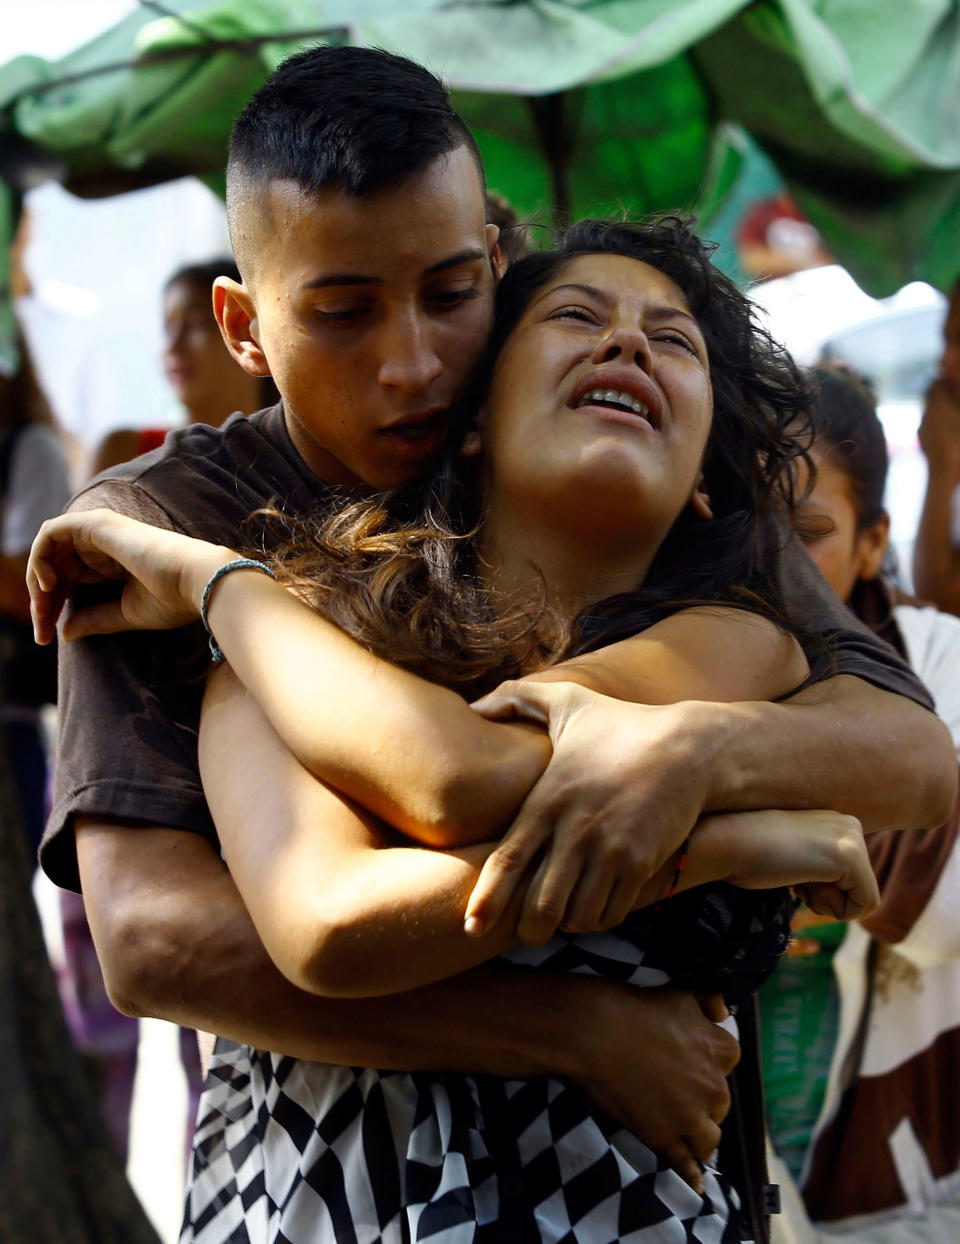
(241, 563)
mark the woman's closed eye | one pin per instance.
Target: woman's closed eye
(675, 337)
(573, 312)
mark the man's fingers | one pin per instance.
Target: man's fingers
(498, 705)
(547, 703)
(713, 1007)
(591, 894)
(622, 900)
(514, 699)
(680, 1158)
(547, 898)
(704, 1142)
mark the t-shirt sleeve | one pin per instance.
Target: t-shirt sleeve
(854, 649)
(128, 714)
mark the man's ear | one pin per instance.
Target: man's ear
(700, 499)
(236, 315)
(871, 547)
(497, 261)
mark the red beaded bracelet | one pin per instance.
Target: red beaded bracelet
(681, 864)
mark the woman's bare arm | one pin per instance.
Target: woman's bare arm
(408, 750)
(413, 752)
(345, 911)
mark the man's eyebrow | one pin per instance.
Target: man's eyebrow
(355, 278)
(340, 278)
(470, 255)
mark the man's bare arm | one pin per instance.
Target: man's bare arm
(827, 747)
(645, 775)
(175, 941)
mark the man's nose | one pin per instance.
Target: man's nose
(409, 360)
(627, 342)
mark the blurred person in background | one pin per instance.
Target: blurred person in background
(210, 386)
(206, 380)
(936, 553)
(775, 239)
(861, 1022)
(59, 1177)
(34, 486)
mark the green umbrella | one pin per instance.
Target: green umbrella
(579, 106)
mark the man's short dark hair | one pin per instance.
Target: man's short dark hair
(343, 118)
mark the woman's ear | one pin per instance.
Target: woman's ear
(236, 314)
(472, 444)
(871, 547)
(700, 500)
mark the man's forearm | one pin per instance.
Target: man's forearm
(841, 744)
(176, 942)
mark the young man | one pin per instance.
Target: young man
(356, 206)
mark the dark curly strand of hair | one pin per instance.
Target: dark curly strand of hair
(397, 572)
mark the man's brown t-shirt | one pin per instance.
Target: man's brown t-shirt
(129, 706)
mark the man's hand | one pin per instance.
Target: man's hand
(163, 574)
(659, 1066)
(623, 789)
(939, 431)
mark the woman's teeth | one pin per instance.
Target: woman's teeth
(614, 397)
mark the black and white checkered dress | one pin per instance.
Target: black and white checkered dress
(292, 1152)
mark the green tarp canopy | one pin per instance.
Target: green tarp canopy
(579, 106)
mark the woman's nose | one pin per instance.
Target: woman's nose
(627, 342)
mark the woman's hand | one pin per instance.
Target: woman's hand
(821, 854)
(164, 574)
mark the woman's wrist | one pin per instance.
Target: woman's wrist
(198, 573)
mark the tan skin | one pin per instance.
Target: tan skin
(681, 388)
(936, 558)
(168, 919)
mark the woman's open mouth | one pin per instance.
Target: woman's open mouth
(622, 394)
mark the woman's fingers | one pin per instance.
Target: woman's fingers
(104, 618)
(505, 869)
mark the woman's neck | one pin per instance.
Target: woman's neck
(577, 566)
